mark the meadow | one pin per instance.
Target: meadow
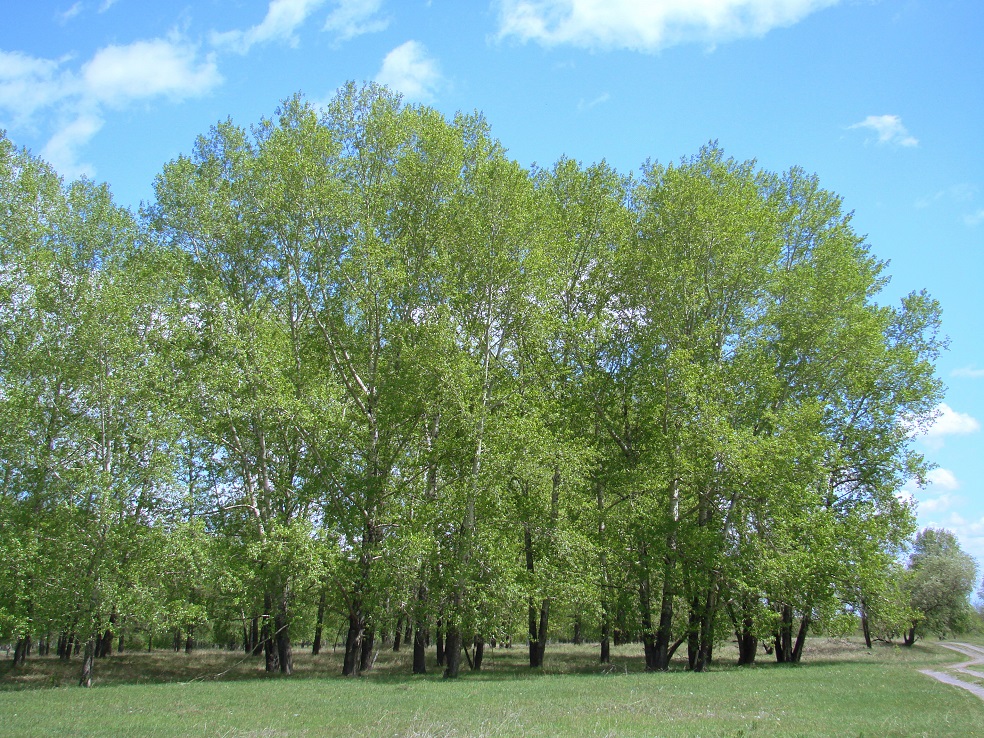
(841, 689)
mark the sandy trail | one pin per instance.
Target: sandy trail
(976, 654)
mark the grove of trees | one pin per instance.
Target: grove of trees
(355, 370)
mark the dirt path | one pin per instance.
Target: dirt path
(976, 654)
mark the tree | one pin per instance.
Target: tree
(939, 580)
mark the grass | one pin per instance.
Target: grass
(840, 690)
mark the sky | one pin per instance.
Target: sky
(882, 99)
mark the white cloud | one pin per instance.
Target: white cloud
(282, 19)
(159, 67)
(947, 422)
(588, 104)
(968, 372)
(106, 5)
(647, 25)
(943, 479)
(974, 219)
(889, 129)
(952, 423)
(62, 150)
(29, 84)
(34, 91)
(936, 504)
(409, 70)
(352, 18)
(67, 15)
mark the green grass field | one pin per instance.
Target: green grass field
(840, 690)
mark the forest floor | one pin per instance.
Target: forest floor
(840, 689)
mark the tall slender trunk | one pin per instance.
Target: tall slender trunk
(268, 635)
(419, 650)
(784, 636)
(398, 634)
(479, 653)
(606, 618)
(420, 629)
(804, 630)
(439, 638)
(865, 625)
(706, 618)
(365, 652)
(646, 612)
(744, 632)
(353, 645)
(319, 624)
(85, 678)
(452, 653)
(285, 654)
(21, 650)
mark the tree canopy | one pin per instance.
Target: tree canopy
(356, 366)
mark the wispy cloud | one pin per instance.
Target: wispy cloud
(948, 422)
(889, 130)
(35, 90)
(66, 15)
(974, 219)
(283, 18)
(62, 149)
(352, 18)
(583, 104)
(644, 25)
(968, 372)
(410, 70)
(943, 479)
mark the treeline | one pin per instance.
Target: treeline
(356, 371)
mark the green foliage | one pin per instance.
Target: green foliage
(939, 580)
(355, 360)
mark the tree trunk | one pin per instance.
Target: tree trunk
(85, 679)
(256, 645)
(910, 636)
(190, 640)
(365, 652)
(285, 653)
(452, 653)
(420, 649)
(865, 627)
(606, 617)
(538, 618)
(646, 613)
(268, 635)
(20, 650)
(664, 632)
(319, 624)
(804, 630)
(784, 636)
(353, 645)
(606, 645)
(398, 634)
(479, 653)
(577, 639)
(439, 638)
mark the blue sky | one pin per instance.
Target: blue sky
(883, 99)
